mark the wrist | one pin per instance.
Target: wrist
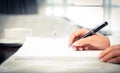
(107, 40)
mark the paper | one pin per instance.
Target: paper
(49, 47)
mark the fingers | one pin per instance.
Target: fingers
(81, 42)
(115, 60)
(105, 52)
(79, 45)
(73, 37)
(85, 44)
(77, 35)
(111, 54)
(77, 48)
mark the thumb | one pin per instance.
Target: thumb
(85, 43)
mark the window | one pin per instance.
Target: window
(115, 17)
(85, 2)
(88, 13)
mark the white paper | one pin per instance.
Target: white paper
(49, 47)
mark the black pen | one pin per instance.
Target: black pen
(93, 31)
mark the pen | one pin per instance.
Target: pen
(93, 31)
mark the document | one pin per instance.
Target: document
(50, 47)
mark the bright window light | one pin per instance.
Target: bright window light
(85, 16)
(85, 2)
(56, 11)
(48, 11)
(115, 21)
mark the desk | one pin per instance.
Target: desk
(58, 66)
(31, 57)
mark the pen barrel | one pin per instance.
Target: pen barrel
(100, 27)
(89, 33)
(93, 31)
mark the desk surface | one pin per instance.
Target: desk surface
(63, 66)
(23, 61)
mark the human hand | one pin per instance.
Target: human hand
(94, 42)
(111, 54)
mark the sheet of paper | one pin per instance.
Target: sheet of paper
(52, 49)
(49, 47)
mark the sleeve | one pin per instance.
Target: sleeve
(114, 40)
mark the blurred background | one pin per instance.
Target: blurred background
(55, 18)
(42, 14)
